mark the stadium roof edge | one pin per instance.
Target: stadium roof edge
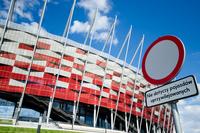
(20, 27)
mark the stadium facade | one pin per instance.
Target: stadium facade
(85, 86)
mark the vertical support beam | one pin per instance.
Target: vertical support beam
(74, 109)
(112, 122)
(9, 17)
(138, 127)
(74, 106)
(164, 119)
(84, 71)
(147, 129)
(160, 110)
(154, 128)
(176, 118)
(66, 33)
(123, 67)
(67, 27)
(94, 115)
(126, 123)
(29, 68)
(133, 92)
(92, 25)
(142, 114)
(169, 118)
(151, 118)
(172, 126)
(107, 60)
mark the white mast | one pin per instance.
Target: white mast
(127, 39)
(65, 35)
(109, 52)
(29, 68)
(84, 71)
(9, 17)
(137, 72)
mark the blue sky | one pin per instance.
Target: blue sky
(151, 18)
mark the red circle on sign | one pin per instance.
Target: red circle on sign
(175, 70)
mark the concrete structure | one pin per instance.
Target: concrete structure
(84, 85)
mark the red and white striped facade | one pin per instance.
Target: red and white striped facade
(15, 58)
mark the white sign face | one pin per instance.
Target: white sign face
(182, 88)
(163, 60)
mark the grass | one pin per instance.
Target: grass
(2, 121)
(4, 129)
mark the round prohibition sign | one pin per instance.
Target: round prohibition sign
(163, 60)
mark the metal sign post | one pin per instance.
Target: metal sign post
(161, 63)
(176, 117)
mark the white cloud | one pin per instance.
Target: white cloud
(189, 112)
(34, 27)
(22, 9)
(102, 5)
(79, 27)
(103, 21)
(53, 2)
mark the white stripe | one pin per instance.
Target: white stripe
(20, 71)
(37, 74)
(13, 82)
(117, 79)
(23, 59)
(88, 79)
(75, 71)
(7, 61)
(105, 94)
(91, 86)
(38, 62)
(67, 63)
(95, 69)
(62, 84)
(19, 36)
(48, 53)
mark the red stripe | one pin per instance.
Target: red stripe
(25, 46)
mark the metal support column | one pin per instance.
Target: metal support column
(127, 39)
(94, 115)
(176, 118)
(9, 17)
(169, 118)
(126, 123)
(164, 119)
(138, 65)
(65, 35)
(172, 126)
(147, 128)
(151, 118)
(85, 63)
(138, 127)
(154, 128)
(29, 68)
(73, 115)
(112, 121)
(111, 34)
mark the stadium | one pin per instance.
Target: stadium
(74, 83)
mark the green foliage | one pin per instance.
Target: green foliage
(4, 129)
